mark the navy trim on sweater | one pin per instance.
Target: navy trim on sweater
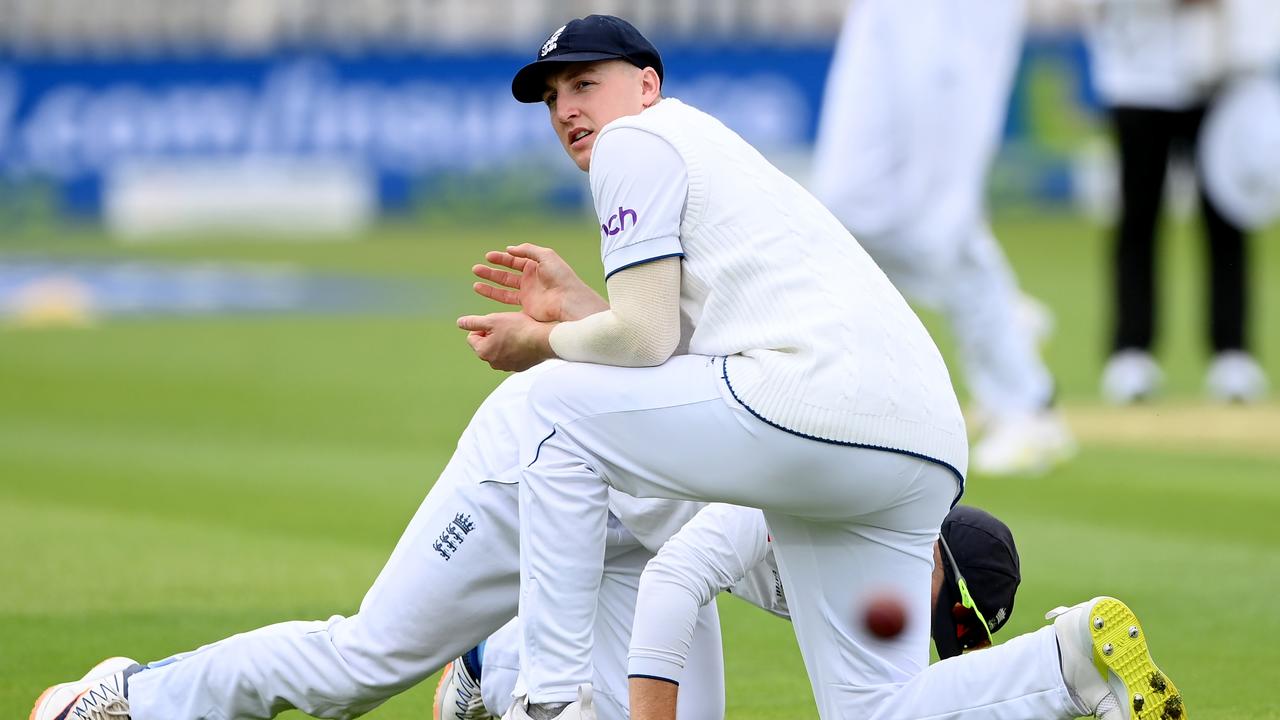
(642, 262)
(724, 373)
(654, 677)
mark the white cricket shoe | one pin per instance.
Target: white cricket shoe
(581, 709)
(1023, 444)
(1107, 666)
(1131, 376)
(458, 695)
(1234, 376)
(102, 694)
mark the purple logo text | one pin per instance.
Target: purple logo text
(618, 221)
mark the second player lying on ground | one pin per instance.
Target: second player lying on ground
(726, 548)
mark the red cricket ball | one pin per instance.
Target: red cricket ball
(885, 615)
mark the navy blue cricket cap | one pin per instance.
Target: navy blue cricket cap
(594, 37)
(988, 559)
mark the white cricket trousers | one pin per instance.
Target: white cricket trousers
(844, 519)
(452, 580)
(911, 119)
(1018, 680)
(703, 680)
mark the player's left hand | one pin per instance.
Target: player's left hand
(510, 341)
(544, 286)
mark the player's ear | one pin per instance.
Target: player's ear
(650, 86)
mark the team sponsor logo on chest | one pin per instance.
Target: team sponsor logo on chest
(618, 221)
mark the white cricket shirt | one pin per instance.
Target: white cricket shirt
(817, 341)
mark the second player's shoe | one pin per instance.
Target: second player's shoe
(581, 709)
(102, 694)
(458, 694)
(1107, 665)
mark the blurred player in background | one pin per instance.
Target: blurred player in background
(911, 121)
(1157, 65)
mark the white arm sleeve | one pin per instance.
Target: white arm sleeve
(639, 184)
(640, 328)
(711, 553)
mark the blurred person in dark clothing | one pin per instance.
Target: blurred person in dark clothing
(1157, 65)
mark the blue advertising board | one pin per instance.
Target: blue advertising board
(405, 117)
(408, 119)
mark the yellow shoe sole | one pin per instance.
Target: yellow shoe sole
(1120, 647)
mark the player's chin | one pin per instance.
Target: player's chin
(582, 157)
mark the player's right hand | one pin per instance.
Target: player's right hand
(509, 341)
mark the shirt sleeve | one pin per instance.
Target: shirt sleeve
(711, 553)
(639, 183)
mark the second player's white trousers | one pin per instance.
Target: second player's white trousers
(452, 580)
(422, 612)
(703, 682)
(1020, 679)
(845, 520)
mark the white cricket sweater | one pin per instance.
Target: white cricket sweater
(817, 340)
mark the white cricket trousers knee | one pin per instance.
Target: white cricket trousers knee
(845, 520)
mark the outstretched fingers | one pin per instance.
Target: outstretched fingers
(502, 295)
(506, 284)
(496, 275)
(506, 259)
(529, 251)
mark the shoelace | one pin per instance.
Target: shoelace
(101, 703)
(1109, 706)
(469, 702)
(117, 709)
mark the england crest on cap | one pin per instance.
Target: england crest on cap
(550, 44)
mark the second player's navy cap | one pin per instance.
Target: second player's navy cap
(983, 548)
(594, 37)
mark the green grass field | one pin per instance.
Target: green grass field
(166, 482)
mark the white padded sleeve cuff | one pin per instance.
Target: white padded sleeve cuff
(641, 328)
